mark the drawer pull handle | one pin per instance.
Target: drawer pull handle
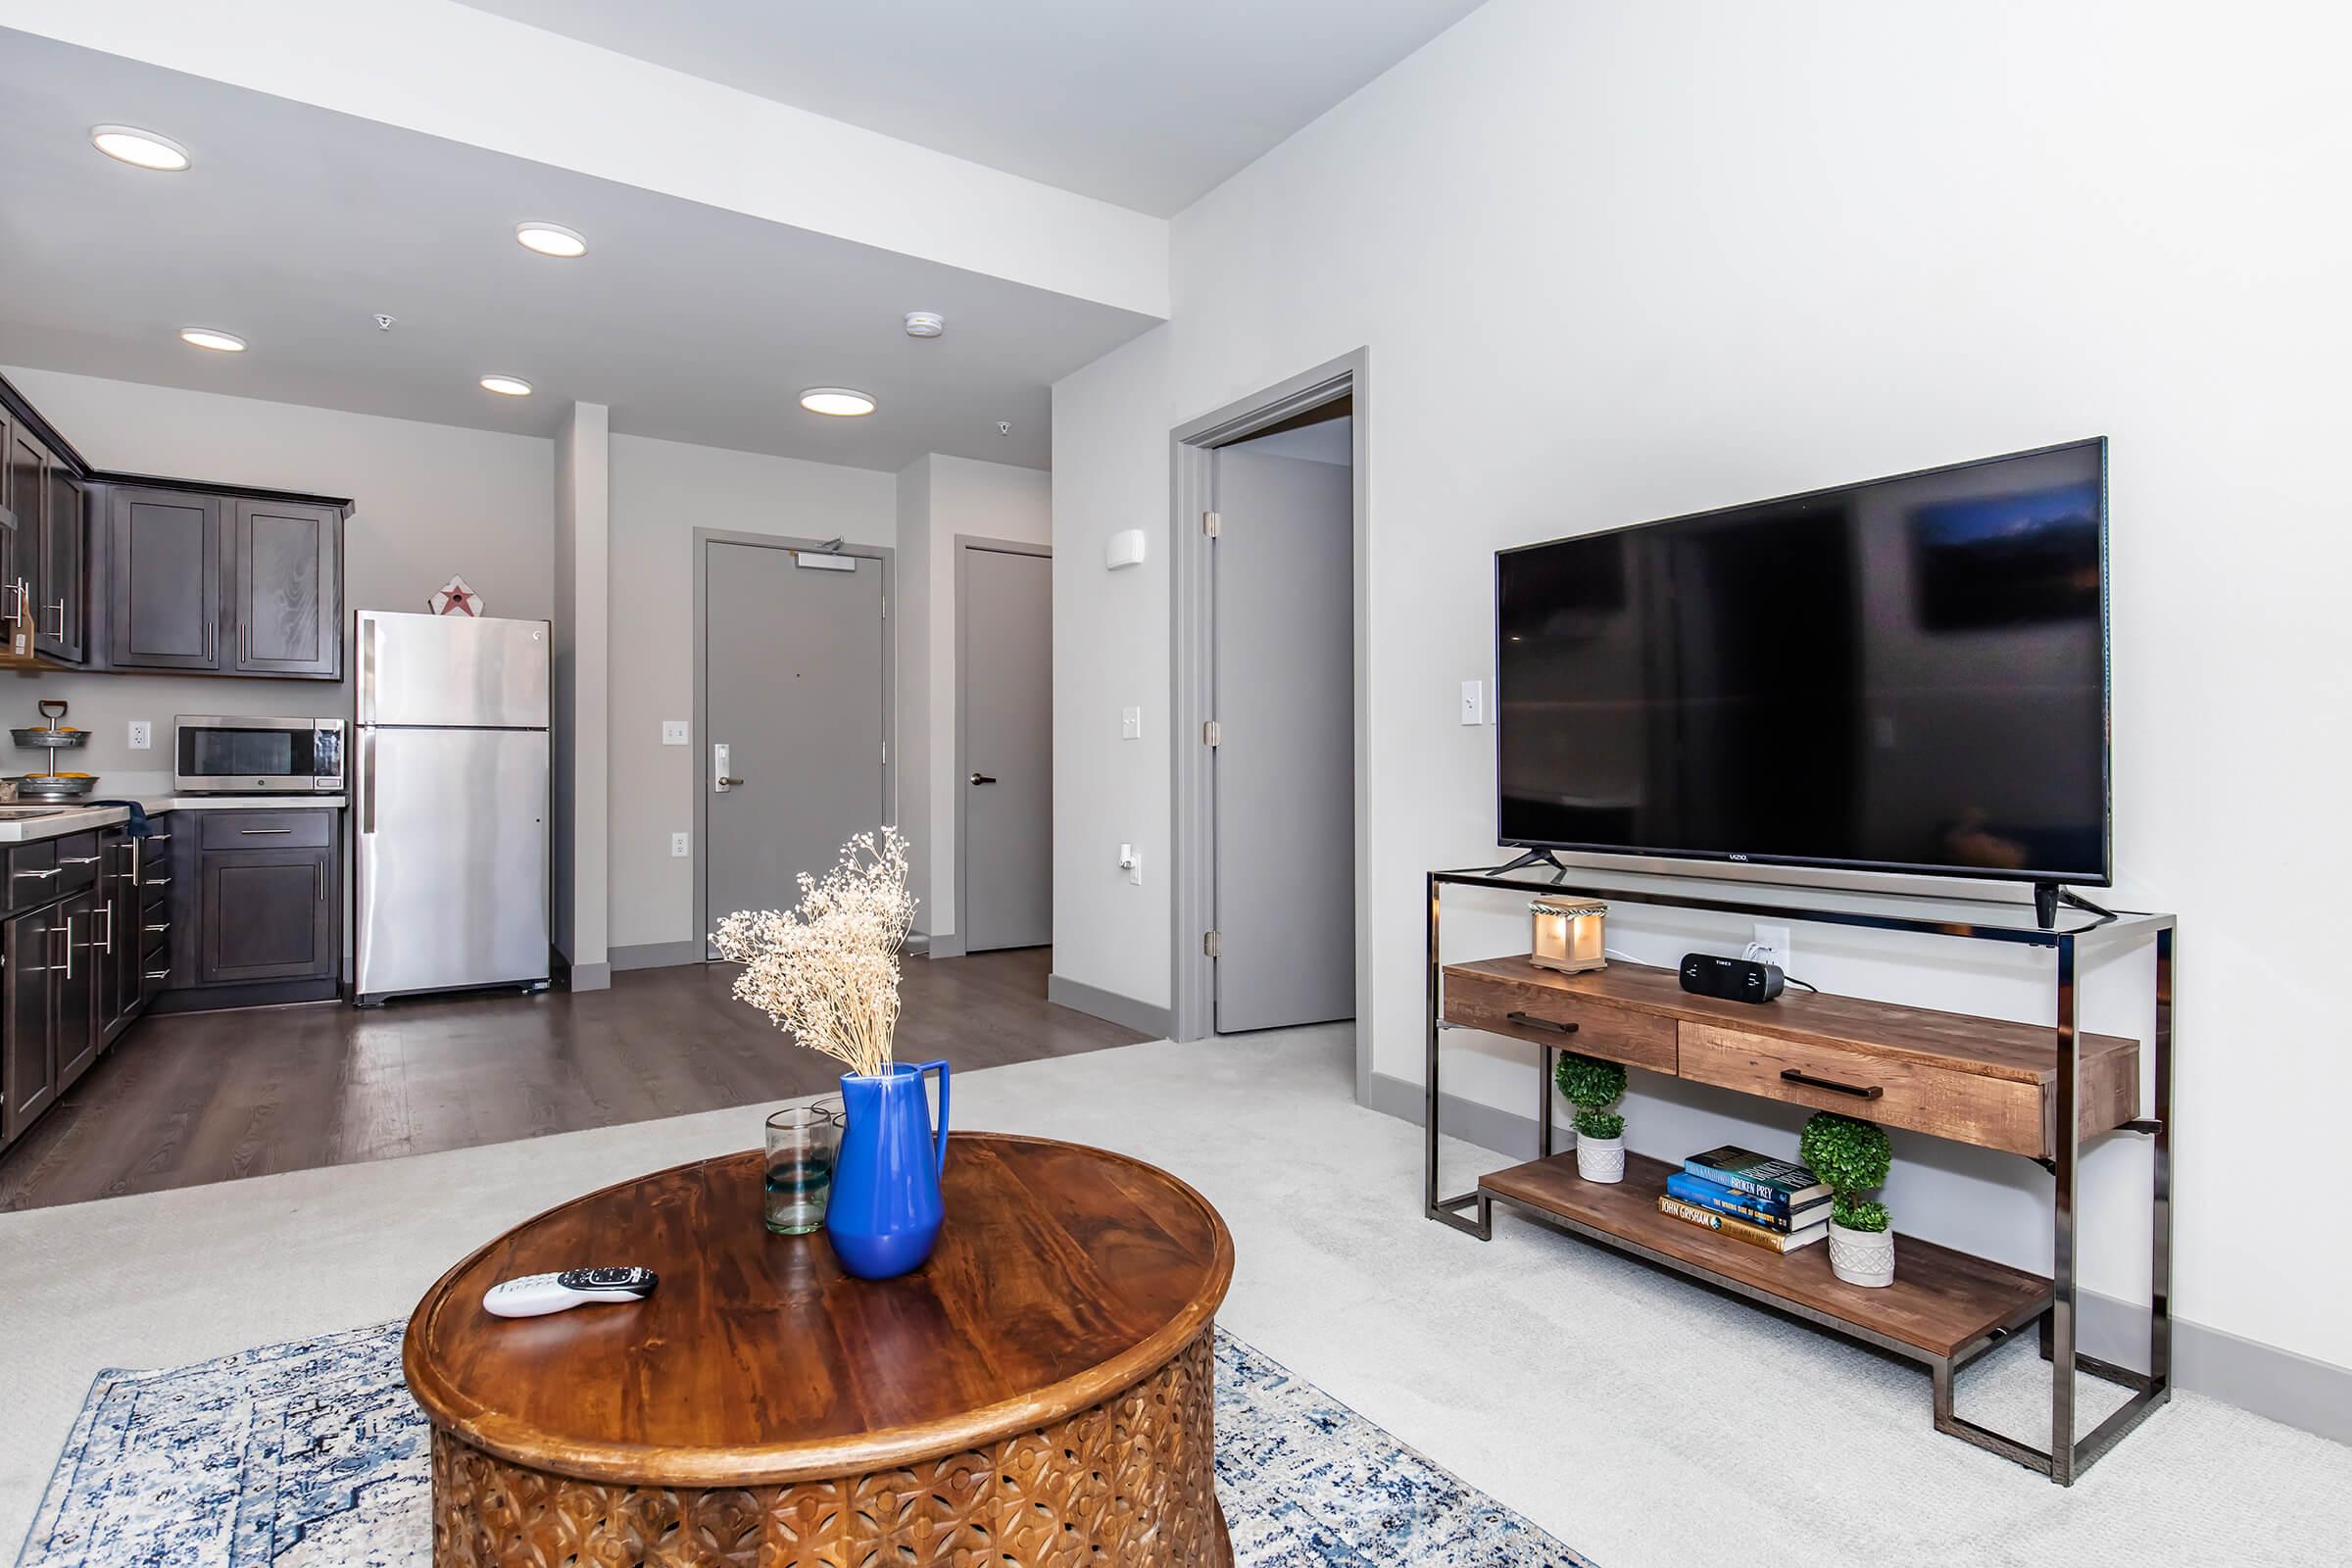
(164, 926)
(159, 974)
(1793, 1077)
(49, 870)
(263, 832)
(77, 859)
(1528, 1021)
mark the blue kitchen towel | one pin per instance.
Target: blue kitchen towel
(139, 826)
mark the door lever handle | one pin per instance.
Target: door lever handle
(983, 779)
(730, 783)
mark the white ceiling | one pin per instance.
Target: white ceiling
(297, 224)
(1146, 103)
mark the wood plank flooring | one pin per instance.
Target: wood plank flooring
(199, 1097)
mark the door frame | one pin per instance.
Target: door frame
(1192, 858)
(700, 736)
(965, 544)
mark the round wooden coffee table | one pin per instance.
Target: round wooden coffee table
(1038, 1393)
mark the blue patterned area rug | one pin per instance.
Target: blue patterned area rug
(311, 1455)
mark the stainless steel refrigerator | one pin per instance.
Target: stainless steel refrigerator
(450, 774)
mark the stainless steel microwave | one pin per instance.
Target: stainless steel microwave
(234, 755)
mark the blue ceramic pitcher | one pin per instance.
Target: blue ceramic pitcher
(885, 1211)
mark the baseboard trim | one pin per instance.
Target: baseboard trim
(1141, 1016)
(249, 994)
(2282, 1385)
(655, 956)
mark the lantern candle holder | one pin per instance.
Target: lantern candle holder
(1567, 934)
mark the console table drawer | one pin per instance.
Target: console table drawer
(2004, 1113)
(1545, 1016)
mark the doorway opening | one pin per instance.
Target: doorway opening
(1269, 680)
(1003, 743)
(791, 693)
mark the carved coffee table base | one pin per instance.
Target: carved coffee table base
(1129, 1483)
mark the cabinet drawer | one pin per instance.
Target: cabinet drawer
(264, 830)
(155, 935)
(2005, 1113)
(78, 861)
(1540, 1014)
(32, 873)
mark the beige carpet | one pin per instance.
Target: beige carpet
(1608, 1403)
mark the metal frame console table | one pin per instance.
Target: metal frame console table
(2004, 1301)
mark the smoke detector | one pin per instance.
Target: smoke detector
(1003, 427)
(383, 324)
(926, 324)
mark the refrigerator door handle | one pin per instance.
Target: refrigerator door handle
(366, 781)
(367, 704)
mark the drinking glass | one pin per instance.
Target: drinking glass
(801, 1145)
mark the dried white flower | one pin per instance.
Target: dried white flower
(828, 971)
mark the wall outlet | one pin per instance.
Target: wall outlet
(674, 732)
(680, 846)
(1131, 723)
(1473, 702)
(1770, 946)
(142, 734)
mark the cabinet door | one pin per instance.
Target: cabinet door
(164, 581)
(65, 531)
(7, 520)
(73, 981)
(265, 914)
(118, 932)
(287, 573)
(28, 1058)
(24, 492)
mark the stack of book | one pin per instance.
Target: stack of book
(1772, 1204)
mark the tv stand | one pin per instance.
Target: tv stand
(2048, 896)
(2039, 1092)
(1531, 857)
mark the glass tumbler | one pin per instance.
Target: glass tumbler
(802, 1143)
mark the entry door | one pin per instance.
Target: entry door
(793, 661)
(1284, 796)
(1004, 623)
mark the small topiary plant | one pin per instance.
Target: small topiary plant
(1850, 1157)
(1592, 1086)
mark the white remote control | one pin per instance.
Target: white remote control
(537, 1295)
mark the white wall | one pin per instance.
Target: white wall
(661, 492)
(1616, 263)
(915, 612)
(428, 500)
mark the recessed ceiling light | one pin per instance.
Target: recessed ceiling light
(205, 337)
(550, 239)
(837, 400)
(143, 148)
(506, 386)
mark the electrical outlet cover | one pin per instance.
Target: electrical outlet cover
(142, 734)
(674, 732)
(680, 846)
(1769, 946)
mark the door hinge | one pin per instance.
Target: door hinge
(1212, 733)
(1212, 944)
(1212, 524)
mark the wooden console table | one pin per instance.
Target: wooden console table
(2037, 1091)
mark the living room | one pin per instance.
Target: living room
(1576, 269)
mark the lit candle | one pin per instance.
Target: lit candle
(1567, 934)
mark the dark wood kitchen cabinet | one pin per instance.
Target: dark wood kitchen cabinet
(286, 576)
(162, 575)
(29, 1075)
(74, 986)
(63, 598)
(268, 897)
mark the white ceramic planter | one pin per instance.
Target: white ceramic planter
(1862, 1257)
(1601, 1159)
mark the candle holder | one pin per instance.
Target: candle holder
(1566, 934)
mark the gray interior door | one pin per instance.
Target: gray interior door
(1284, 798)
(794, 662)
(1005, 657)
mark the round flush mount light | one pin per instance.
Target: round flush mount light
(926, 324)
(839, 400)
(506, 386)
(206, 337)
(143, 149)
(550, 239)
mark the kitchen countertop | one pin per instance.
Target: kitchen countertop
(84, 818)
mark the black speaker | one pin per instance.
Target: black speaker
(1733, 979)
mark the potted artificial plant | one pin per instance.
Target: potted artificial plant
(1850, 1157)
(1592, 1086)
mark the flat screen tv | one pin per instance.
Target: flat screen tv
(1908, 674)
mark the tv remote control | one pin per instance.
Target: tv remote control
(537, 1295)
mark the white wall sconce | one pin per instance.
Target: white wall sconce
(1125, 549)
(1567, 934)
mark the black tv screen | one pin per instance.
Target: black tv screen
(1907, 674)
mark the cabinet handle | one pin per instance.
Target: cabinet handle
(1528, 1021)
(165, 925)
(159, 974)
(263, 832)
(156, 882)
(16, 610)
(1793, 1077)
(69, 947)
(77, 859)
(109, 911)
(60, 608)
(159, 838)
(47, 870)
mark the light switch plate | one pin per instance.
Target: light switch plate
(142, 734)
(1473, 702)
(680, 846)
(674, 732)
(1131, 723)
